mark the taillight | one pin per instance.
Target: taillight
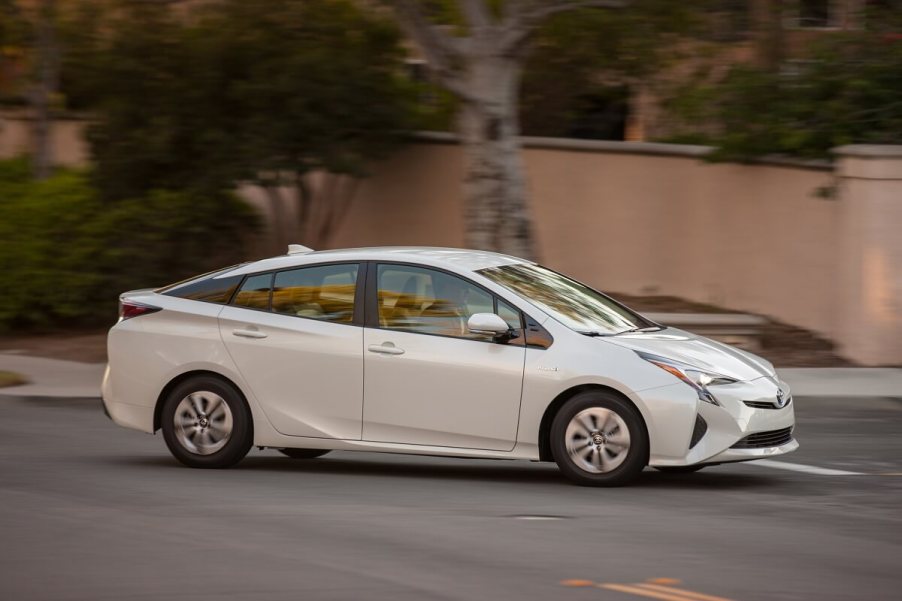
(129, 309)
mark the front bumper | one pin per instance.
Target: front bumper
(732, 455)
(741, 414)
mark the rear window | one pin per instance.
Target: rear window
(206, 287)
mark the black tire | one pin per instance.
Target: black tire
(304, 453)
(236, 445)
(629, 467)
(680, 469)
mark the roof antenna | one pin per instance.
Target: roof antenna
(298, 249)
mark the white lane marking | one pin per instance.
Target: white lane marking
(807, 469)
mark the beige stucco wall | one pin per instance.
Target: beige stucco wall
(69, 145)
(628, 218)
(870, 289)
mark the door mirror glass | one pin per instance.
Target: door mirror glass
(487, 323)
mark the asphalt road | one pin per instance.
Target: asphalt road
(90, 511)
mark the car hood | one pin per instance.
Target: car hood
(697, 351)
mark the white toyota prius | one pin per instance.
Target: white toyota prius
(432, 351)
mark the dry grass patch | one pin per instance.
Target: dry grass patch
(9, 378)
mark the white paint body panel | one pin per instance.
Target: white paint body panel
(441, 391)
(312, 384)
(307, 374)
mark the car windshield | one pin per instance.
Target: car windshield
(574, 304)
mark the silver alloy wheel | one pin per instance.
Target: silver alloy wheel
(203, 422)
(597, 440)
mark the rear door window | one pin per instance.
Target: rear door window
(323, 292)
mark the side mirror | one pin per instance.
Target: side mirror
(487, 323)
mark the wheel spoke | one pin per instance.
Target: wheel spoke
(577, 428)
(615, 448)
(214, 407)
(609, 416)
(196, 403)
(576, 451)
(213, 436)
(587, 421)
(619, 438)
(613, 459)
(205, 439)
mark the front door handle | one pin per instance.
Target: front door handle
(386, 348)
(249, 333)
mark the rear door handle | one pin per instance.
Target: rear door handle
(386, 348)
(249, 333)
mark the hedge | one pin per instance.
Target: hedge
(65, 255)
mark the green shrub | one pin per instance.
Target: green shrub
(65, 255)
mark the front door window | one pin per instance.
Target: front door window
(427, 301)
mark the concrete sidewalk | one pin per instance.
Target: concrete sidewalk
(53, 378)
(847, 382)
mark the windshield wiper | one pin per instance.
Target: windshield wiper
(645, 329)
(594, 333)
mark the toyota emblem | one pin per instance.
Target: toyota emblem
(781, 398)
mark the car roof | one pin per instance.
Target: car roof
(455, 259)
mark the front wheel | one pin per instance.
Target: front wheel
(599, 439)
(206, 423)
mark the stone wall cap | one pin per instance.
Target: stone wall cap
(692, 151)
(875, 151)
(575, 144)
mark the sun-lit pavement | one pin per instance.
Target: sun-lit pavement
(91, 511)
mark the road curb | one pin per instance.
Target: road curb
(48, 398)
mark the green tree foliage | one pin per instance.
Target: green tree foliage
(15, 35)
(848, 90)
(65, 254)
(266, 91)
(584, 63)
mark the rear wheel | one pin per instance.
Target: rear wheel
(304, 453)
(599, 439)
(206, 423)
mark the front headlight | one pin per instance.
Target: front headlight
(699, 379)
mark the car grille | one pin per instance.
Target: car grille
(762, 440)
(767, 404)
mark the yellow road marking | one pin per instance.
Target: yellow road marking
(577, 582)
(655, 588)
(635, 590)
(684, 593)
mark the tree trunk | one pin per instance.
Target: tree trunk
(277, 218)
(497, 208)
(324, 199)
(44, 89)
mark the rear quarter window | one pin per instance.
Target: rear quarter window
(208, 289)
